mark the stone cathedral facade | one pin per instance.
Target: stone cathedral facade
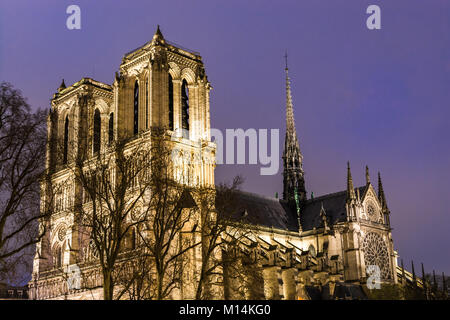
(303, 248)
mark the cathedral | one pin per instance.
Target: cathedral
(305, 248)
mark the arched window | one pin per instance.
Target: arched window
(185, 109)
(111, 128)
(133, 239)
(66, 139)
(170, 103)
(146, 104)
(136, 108)
(97, 131)
(58, 257)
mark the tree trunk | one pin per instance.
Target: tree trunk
(108, 286)
(198, 294)
(159, 284)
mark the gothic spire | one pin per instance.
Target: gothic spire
(350, 189)
(413, 273)
(293, 175)
(290, 122)
(381, 195)
(367, 175)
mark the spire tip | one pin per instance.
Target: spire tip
(286, 60)
(367, 175)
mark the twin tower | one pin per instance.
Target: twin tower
(159, 85)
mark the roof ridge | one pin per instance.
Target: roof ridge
(258, 195)
(330, 195)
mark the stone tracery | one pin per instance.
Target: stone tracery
(376, 253)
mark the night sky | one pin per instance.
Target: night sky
(375, 97)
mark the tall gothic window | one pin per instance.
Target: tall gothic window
(185, 109)
(133, 239)
(146, 104)
(111, 128)
(170, 103)
(136, 108)
(58, 257)
(66, 139)
(97, 131)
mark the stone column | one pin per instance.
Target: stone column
(193, 112)
(159, 95)
(303, 279)
(207, 113)
(142, 96)
(271, 282)
(177, 107)
(201, 110)
(125, 114)
(352, 260)
(288, 276)
(73, 245)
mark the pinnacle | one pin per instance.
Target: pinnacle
(158, 33)
(62, 86)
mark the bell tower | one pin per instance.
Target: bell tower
(163, 85)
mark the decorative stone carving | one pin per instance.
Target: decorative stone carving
(376, 253)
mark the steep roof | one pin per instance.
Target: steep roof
(272, 212)
(64, 91)
(334, 205)
(265, 211)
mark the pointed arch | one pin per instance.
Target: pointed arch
(185, 109)
(146, 101)
(174, 71)
(58, 257)
(66, 139)
(133, 238)
(188, 75)
(97, 132)
(171, 115)
(111, 128)
(136, 108)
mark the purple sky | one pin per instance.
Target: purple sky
(372, 97)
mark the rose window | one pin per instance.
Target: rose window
(376, 253)
(62, 233)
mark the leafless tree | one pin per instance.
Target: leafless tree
(133, 209)
(182, 219)
(22, 164)
(136, 278)
(222, 228)
(170, 231)
(147, 227)
(113, 184)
